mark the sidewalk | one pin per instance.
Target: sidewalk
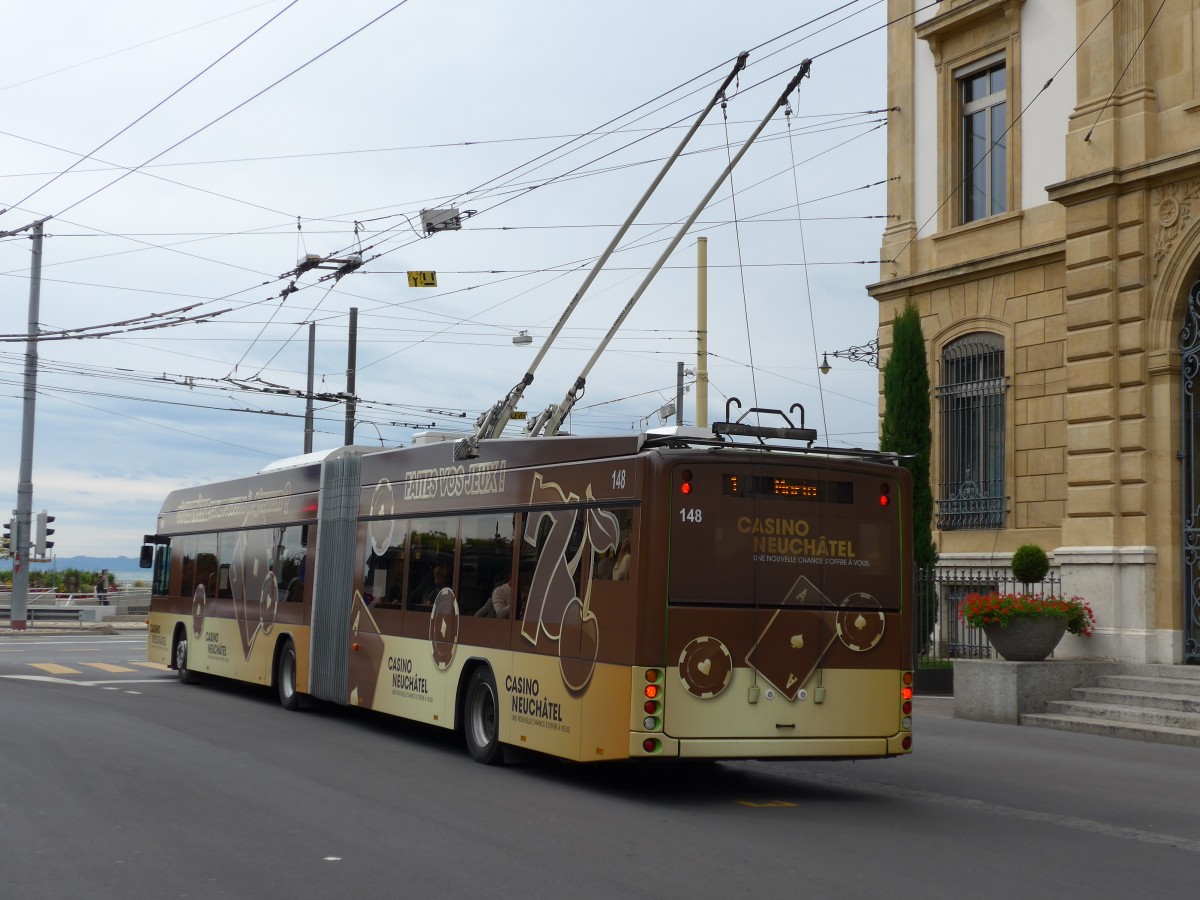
(47, 629)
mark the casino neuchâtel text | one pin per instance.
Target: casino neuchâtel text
(790, 537)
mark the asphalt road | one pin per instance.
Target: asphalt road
(128, 785)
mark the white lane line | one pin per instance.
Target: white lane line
(52, 680)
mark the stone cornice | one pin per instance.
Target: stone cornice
(971, 270)
(1112, 181)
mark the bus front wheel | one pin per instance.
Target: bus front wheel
(481, 726)
(186, 675)
(285, 677)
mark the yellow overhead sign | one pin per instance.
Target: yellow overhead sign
(422, 279)
(518, 415)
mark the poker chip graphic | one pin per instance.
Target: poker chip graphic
(860, 629)
(443, 628)
(268, 604)
(199, 601)
(383, 503)
(705, 667)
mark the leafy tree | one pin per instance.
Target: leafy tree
(906, 431)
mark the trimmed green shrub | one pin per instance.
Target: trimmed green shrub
(1030, 564)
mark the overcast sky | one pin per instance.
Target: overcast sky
(212, 144)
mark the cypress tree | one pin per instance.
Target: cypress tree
(906, 431)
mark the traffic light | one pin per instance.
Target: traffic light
(6, 541)
(41, 544)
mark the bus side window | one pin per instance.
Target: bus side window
(162, 569)
(527, 564)
(206, 564)
(291, 564)
(187, 566)
(226, 545)
(431, 560)
(485, 566)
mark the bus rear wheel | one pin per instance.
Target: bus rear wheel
(186, 675)
(285, 676)
(481, 724)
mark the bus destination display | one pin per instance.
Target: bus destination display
(813, 490)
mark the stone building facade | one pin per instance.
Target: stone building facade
(1045, 203)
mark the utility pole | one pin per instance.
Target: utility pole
(21, 531)
(702, 332)
(308, 406)
(679, 393)
(350, 363)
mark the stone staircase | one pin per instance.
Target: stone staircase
(1155, 703)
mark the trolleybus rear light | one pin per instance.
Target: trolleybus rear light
(652, 675)
(651, 691)
(650, 723)
(907, 707)
(685, 486)
(907, 678)
(906, 693)
(651, 745)
(906, 723)
(884, 490)
(906, 742)
(652, 706)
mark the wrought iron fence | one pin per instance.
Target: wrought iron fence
(941, 637)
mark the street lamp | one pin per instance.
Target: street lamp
(868, 353)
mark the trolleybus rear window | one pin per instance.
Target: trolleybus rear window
(771, 536)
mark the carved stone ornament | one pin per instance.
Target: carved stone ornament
(1175, 207)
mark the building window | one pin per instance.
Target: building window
(971, 413)
(983, 95)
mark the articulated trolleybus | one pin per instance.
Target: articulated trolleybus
(729, 594)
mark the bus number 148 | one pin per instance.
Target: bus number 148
(691, 514)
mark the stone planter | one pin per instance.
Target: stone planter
(1027, 640)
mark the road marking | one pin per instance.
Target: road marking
(109, 667)
(50, 679)
(55, 669)
(146, 664)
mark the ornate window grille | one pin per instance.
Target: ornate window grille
(971, 409)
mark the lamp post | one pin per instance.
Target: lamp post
(868, 353)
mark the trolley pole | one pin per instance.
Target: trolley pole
(21, 531)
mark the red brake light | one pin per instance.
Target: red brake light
(906, 693)
(651, 691)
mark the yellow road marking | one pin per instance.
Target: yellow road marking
(55, 669)
(109, 667)
(146, 664)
